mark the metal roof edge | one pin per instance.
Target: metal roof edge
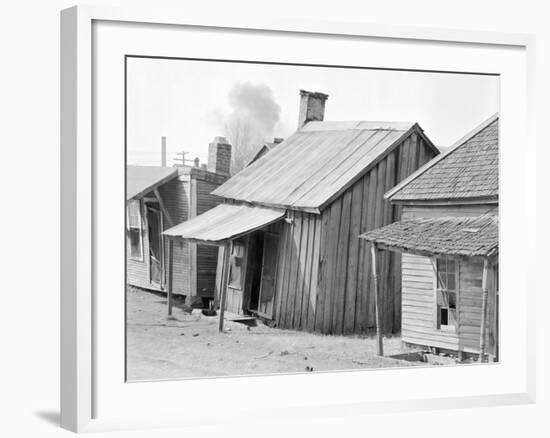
(157, 184)
(415, 127)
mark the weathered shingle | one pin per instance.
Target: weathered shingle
(469, 170)
(463, 236)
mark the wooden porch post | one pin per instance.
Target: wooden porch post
(379, 341)
(227, 248)
(485, 294)
(170, 273)
(163, 207)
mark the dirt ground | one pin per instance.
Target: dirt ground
(189, 345)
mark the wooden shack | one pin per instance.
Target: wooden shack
(448, 238)
(289, 225)
(159, 198)
(264, 149)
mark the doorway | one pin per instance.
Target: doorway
(264, 247)
(154, 221)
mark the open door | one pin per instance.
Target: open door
(269, 274)
(155, 245)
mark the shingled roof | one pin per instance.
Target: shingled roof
(315, 164)
(468, 170)
(459, 236)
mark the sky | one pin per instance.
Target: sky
(191, 102)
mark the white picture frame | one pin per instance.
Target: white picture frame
(82, 370)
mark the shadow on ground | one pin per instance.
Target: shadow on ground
(51, 417)
(416, 356)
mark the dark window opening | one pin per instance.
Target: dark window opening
(443, 316)
(447, 279)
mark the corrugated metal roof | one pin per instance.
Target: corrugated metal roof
(463, 236)
(314, 164)
(142, 179)
(468, 170)
(225, 221)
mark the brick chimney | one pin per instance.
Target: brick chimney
(219, 156)
(312, 107)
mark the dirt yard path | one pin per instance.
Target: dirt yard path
(189, 345)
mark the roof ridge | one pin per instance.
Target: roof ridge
(334, 125)
(465, 138)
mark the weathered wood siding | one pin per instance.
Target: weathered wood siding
(419, 324)
(418, 277)
(137, 271)
(297, 271)
(175, 195)
(207, 255)
(410, 211)
(324, 282)
(194, 265)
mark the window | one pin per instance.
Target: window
(236, 265)
(134, 230)
(447, 279)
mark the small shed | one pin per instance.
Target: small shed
(264, 149)
(289, 225)
(448, 238)
(158, 198)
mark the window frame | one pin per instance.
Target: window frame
(453, 328)
(139, 258)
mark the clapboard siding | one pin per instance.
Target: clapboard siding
(418, 291)
(418, 306)
(470, 306)
(325, 281)
(207, 255)
(177, 197)
(413, 211)
(207, 260)
(137, 271)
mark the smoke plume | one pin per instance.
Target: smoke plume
(252, 120)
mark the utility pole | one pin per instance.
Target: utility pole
(181, 160)
(163, 151)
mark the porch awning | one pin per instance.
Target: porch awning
(140, 180)
(226, 221)
(454, 236)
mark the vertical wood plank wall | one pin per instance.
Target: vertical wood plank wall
(324, 283)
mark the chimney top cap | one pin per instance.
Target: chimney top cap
(315, 94)
(220, 139)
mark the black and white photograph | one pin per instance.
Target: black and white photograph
(286, 218)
